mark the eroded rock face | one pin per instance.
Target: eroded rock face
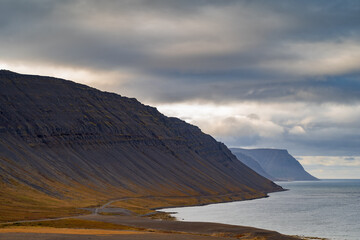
(251, 163)
(275, 164)
(57, 135)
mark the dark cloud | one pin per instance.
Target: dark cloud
(229, 88)
(225, 49)
(219, 52)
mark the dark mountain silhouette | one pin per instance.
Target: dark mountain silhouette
(68, 141)
(274, 164)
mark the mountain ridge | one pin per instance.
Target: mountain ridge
(253, 164)
(67, 142)
(276, 163)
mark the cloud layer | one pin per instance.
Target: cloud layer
(282, 74)
(304, 129)
(229, 50)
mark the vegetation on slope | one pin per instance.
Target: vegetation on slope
(65, 145)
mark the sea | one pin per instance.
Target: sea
(325, 209)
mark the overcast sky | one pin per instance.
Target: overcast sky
(280, 74)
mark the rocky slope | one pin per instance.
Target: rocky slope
(65, 141)
(277, 164)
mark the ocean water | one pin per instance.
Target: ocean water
(326, 208)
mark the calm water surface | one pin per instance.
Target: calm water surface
(326, 208)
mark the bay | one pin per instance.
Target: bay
(326, 208)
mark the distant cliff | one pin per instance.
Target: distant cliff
(253, 164)
(65, 141)
(274, 164)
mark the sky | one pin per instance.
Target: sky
(253, 74)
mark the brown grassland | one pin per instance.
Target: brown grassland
(147, 205)
(70, 223)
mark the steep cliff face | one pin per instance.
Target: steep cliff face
(251, 163)
(277, 163)
(68, 140)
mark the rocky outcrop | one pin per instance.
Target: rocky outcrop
(68, 140)
(274, 164)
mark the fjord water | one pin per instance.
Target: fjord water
(326, 208)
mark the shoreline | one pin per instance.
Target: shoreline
(211, 230)
(204, 204)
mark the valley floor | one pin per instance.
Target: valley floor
(70, 234)
(119, 224)
(148, 229)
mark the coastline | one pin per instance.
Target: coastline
(163, 226)
(256, 214)
(225, 201)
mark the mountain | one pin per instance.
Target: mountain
(277, 164)
(66, 145)
(252, 163)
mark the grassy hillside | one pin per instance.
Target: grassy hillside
(64, 145)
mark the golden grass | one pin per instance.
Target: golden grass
(162, 216)
(148, 204)
(72, 223)
(67, 231)
(20, 202)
